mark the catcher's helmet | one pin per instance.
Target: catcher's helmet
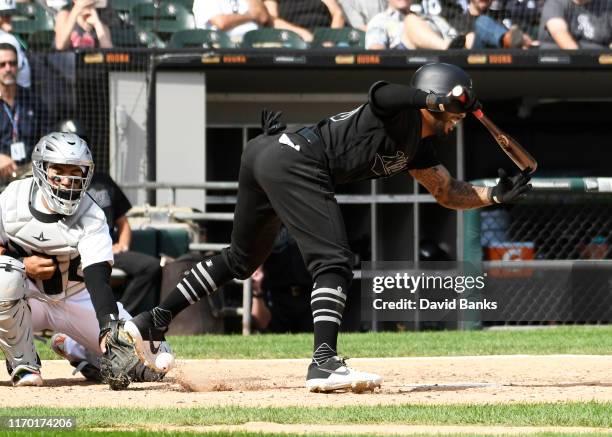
(440, 78)
(62, 148)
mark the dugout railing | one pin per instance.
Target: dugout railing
(550, 254)
(201, 217)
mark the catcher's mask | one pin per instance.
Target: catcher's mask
(64, 149)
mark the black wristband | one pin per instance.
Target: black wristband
(258, 294)
(106, 322)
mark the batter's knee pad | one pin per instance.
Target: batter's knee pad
(15, 315)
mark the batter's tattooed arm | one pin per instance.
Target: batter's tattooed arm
(450, 192)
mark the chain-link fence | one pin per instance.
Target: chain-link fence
(548, 256)
(274, 23)
(81, 87)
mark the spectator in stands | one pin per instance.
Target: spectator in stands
(302, 16)
(433, 12)
(359, 12)
(143, 271)
(235, 17)
(281, 290)
(7, 9)
(57, 5)
(23, 119)
(576, 24)
(523, 13)
(389, 30)
(81, 27)
(483, 31)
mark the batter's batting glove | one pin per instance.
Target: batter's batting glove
(466, 102)
(120, 358)
(271, 123)
(510, 189)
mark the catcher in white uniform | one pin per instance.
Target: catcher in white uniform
(56, 265)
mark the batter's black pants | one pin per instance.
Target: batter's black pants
(278, 183)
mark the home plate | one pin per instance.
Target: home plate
(446, 387)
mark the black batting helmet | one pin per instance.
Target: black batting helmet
(440, 78)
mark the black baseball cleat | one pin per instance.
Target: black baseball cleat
(88, 370)
(150, 343)
(142, 373)
(334, 374)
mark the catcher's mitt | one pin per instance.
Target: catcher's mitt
(118, 362)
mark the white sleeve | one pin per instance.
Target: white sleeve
(96, 244)
(23, 75)
(355, 18)
(203, 11)
(376, 33)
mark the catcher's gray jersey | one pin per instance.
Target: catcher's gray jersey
(74, 242)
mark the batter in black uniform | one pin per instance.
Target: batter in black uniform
(290, 177)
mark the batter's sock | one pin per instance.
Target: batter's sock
(327, 301)
(203, 279)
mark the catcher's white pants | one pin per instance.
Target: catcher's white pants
(74, 316)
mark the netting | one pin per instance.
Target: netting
(576, 292)
(83, 87)
(296, 24)
(550, 254)
(522, 13)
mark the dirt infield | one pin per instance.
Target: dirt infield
(439, 380)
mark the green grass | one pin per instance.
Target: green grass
(558, 340)
(81, 433)
(595, 340)
(591, 414)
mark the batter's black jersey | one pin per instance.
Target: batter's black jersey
(363, 144)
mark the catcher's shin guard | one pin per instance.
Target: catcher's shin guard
(16, 339)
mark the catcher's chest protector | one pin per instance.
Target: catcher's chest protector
(27, 235)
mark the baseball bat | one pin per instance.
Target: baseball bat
(517, 153)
